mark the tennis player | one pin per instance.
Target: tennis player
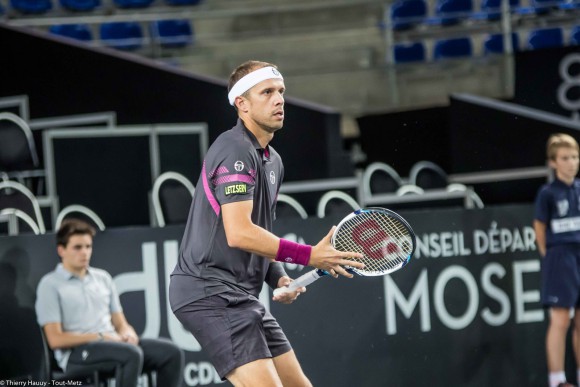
(557, 227)
(228, 250)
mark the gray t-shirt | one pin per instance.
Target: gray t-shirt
(236, 168)
(80, 305)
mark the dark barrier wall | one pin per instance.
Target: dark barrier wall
(484, 138)
(63, 78)
(468, 138)
(401, 139)
(464, 312)
(548, 80)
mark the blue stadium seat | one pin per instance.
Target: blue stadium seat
(183, 2)
(31, 6)
(492, 8)
(80, 5)
(133, 3)
(493, 44)
(575, 36)
(543, 6)
(449, 12)
(122, 35)
(545, 38)
(405, 14)
(567, 5)
(406, 53)
(172, 33)
(452, 48)
(75, 31)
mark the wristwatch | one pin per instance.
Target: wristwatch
(101, 337)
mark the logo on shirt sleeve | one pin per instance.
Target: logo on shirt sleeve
(239, 166)
(235, 189)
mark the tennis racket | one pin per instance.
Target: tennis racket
(385, 239)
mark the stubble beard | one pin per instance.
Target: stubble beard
(270, 128)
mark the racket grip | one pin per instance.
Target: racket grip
(303, 280)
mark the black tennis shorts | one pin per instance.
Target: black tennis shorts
(234, 329)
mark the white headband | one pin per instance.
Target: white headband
(252, 79)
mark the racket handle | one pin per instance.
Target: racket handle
(303, 280)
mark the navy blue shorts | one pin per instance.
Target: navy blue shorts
(561, 277)
(234, 329)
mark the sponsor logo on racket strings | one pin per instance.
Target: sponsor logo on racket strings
(376, 243)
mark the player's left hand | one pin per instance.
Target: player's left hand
(289, 297)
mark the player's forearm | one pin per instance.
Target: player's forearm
(254, 239)
(242, 233)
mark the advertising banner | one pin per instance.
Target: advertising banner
(464, 312)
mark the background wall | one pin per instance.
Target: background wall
(63, 79)
(403, 138)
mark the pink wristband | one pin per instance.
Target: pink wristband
(293, 252)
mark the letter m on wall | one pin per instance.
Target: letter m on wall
(419, 296)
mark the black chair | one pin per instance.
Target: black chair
(409, 189)
(52, 370)
(336, 202)
(14, 195)
(171, 197)
(15, 219)
(379, 177)
(428, 175)
(288, 207)
(18, 156)
(21, 351)
(95, 378)
(80, 212)
(472, 195)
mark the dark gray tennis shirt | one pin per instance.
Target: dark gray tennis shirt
(236, 168)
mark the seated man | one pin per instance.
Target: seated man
(79, 310)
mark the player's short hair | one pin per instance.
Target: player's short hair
(246, 68)
(557, 141)
(70, 227)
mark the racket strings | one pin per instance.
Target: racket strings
(384, 241)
